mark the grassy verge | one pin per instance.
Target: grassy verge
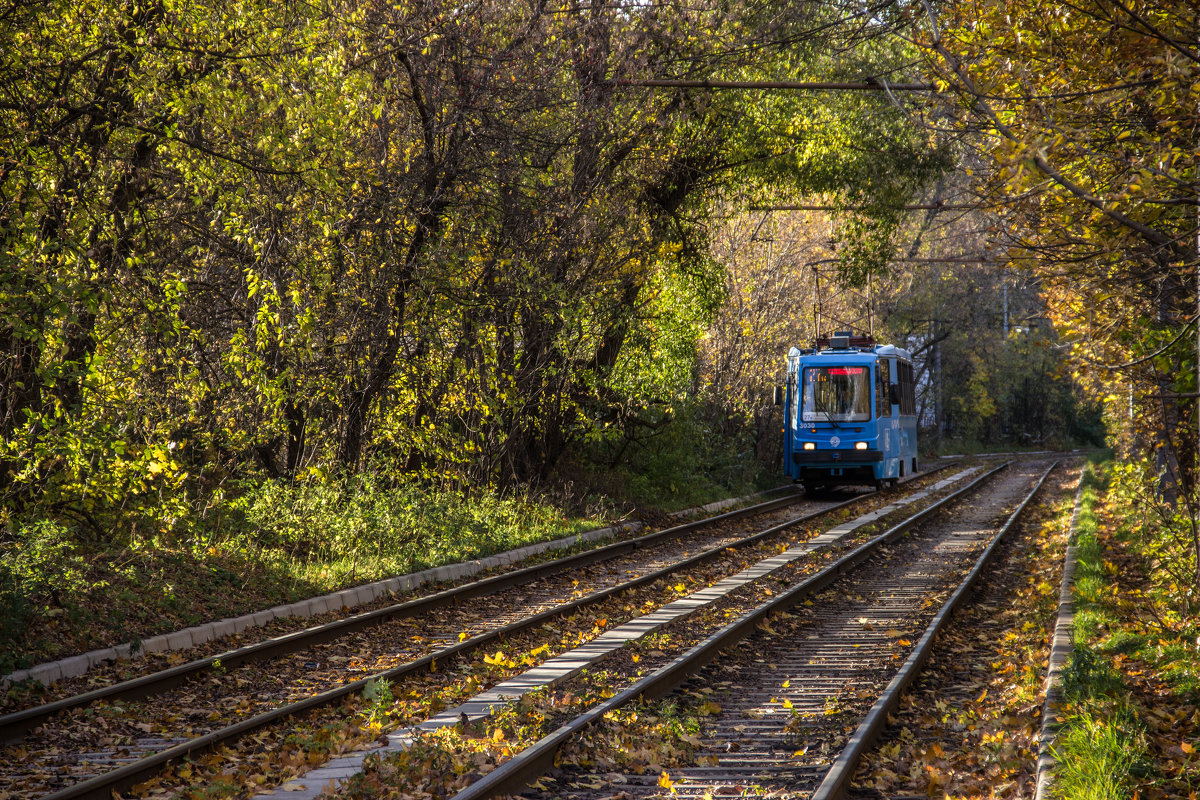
(1133, 683)
(62, 593)
(75, 580)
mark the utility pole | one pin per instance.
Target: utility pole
(817, 278)
(1004, 283)
(870, 307)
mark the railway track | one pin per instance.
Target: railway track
(106, 740)
(787, 700)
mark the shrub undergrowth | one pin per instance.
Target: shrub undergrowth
(364, 527)
(679, 465)
(267, 542)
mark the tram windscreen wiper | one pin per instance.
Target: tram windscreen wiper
(828, 414)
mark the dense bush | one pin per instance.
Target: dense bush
(362, 523)
(680, 461)
(40, 565)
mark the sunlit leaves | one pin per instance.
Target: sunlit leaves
(1090, 112)
(285, 241)
(146, 152)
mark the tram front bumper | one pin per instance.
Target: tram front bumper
(835, 458)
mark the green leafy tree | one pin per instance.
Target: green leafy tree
(115, 123)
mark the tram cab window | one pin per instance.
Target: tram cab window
(836, 394)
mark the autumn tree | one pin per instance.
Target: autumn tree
(1091, 116)
(450, 242)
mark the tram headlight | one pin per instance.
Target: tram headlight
(810, 445)
(860, 445)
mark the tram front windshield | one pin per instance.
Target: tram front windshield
(836, 394)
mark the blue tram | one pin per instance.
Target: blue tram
(850, 413)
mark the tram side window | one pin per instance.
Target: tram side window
(883, 408)
(908, 395)
(793, 399)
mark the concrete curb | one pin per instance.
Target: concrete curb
(73, 666)
(1060, 653)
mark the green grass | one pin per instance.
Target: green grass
(250, 544)
(1098, 754)
(348, 533)
(1099, 744)
(1125, 638)
(274, 543)
(69, 585)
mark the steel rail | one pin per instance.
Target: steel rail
(514, 774)
(13, 725)
(837, 779)
(129, 775)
